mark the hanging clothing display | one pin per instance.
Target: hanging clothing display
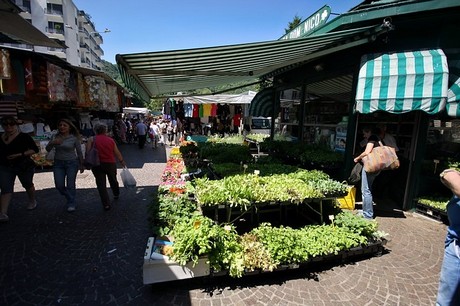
(188, 110)
(207, 110)
(214, 110)
(58, 80)
(196, 111)
(5, 64)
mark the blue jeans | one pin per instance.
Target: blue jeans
(367, 179)
(449, 283)
(65, 175)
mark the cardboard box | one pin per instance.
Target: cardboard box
(159, 268)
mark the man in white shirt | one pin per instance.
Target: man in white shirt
(387, 139)
(141, 131)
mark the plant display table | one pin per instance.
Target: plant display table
(159, 268)
(202, 217)
(434, 208)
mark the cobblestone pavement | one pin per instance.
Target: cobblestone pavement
(91, 257)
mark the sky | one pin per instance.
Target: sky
(138, 26)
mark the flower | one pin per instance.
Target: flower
(196, 224)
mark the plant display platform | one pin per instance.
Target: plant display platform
(432, 212)
(159, 268)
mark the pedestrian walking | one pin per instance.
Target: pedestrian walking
(141, 132)
(155, 132)
(170, 133)
(449, 283)
(107, 170)
(367, 179)
(15, 151)
(68, 159)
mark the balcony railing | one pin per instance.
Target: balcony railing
(25, 8)
(54, 31)
(54, 12)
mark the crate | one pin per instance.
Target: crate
(348, 201)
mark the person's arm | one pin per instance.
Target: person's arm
(50, 145)
(89, 144)
(451, 179)
(79, 154)
(119, 156)
(369, 148)
(32, 147)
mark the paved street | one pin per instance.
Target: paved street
(91, 257)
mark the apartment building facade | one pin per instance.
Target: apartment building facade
(62, 21)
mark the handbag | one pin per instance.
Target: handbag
(92, 156)
(355, 175)
(127, 178)
(381, 158)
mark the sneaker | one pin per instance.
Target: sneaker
(4, 218)
(71, 209)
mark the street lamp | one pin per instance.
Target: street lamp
(91, 37)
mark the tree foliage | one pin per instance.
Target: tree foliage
(112, 71)
(293, 24)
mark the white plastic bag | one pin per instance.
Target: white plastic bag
(127, 178)
(50, 154)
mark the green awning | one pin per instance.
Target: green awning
(453, 94)
(403, 82)
(163, 73)
(453, 100)
(262, 104)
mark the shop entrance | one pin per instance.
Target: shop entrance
(393, 186)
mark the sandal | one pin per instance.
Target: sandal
(32, 206)
(4, 218)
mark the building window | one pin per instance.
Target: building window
(55, 9)
(55, 27)
(26, 6)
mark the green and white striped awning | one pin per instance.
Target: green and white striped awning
(262, 104)
(453, 100)
(403, 82)
(453, 94)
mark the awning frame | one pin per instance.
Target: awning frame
(160, 74)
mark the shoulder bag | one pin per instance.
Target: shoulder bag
(381, 158)
(355, 175)
(92, 156)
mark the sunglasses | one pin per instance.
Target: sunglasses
(9, 124)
